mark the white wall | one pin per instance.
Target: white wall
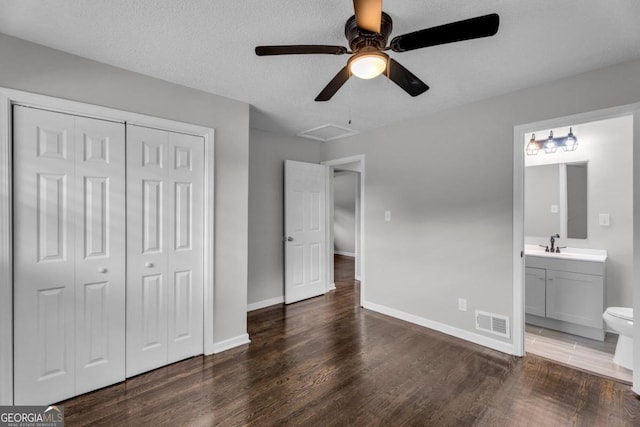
(267, 154)
(448, 181)
(34, 68)
(607, 146)
(344, 212)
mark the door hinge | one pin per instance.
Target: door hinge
(521, 254)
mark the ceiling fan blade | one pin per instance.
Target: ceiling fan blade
(405, 78)
(481, 26)
(300, 49)
(368, 14)
(335, 84)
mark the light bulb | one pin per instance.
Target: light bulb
(571, 143)
(368, 65)
(550, 145)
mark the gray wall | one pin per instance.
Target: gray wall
(267, 154)
(344, 211)
(607, 147)
(35, 68)
(451, 230)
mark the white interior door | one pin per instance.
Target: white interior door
(68, 255)
(164, 247)
(100, 253)
(304, 226)
(185, 246)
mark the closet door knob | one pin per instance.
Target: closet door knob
(148, 264)
(102, 270)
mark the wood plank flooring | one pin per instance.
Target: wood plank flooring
(582, 353)
(327, 362)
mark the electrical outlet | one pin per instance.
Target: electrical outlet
(462, 304)
(387, 216)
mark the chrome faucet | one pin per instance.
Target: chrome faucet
(553, 241)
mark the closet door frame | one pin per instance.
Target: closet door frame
(10, 97)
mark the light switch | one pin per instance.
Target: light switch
(387, 216)
(604, 220)
(554, 208)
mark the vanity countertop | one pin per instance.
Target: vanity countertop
(578, 254)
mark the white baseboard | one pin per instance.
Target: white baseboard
(331, 287)
(266, 303)
(504, 347)
(230, 343)
(343, 253)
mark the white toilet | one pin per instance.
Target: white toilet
(620, 320)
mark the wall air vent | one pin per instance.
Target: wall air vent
(492, 323)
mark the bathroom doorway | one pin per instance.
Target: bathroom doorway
(544, 200)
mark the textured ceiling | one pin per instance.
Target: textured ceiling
(208, 45)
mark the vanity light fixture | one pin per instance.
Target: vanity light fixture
(551, 144)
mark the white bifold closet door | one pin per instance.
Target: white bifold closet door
(164, 247)
(69, 255)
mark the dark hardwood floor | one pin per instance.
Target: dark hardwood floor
(325, 361)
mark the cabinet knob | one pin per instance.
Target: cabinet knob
(148, 264)
(102, 270)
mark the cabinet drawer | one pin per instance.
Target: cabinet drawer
(561, 264)
(575, 297)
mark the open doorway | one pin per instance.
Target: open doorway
(564, 292)
(345, 219)
(345, 226)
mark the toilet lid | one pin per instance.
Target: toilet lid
(625, 313)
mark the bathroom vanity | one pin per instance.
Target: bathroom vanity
(566, 291)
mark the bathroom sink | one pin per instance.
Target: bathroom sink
(580, 254)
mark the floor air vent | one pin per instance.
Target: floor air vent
(493, 323)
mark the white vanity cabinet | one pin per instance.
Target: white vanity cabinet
(566, 293)
(575, 297)
(535, 291)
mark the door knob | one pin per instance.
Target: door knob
(148, 264)
(102, 270)
(289, 239)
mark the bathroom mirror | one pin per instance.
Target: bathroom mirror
(556, 200)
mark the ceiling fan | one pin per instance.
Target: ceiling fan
(368, 31)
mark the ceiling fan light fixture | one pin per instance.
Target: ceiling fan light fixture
(367, 65)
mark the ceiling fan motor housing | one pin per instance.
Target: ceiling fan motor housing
(360, 39)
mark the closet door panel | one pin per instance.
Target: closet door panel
(185, 246)
(147, 222)
(44, 256)
(100, 254)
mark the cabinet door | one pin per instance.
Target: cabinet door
(534, 289)
(575, 297)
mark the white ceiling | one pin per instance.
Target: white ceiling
(208, 45)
